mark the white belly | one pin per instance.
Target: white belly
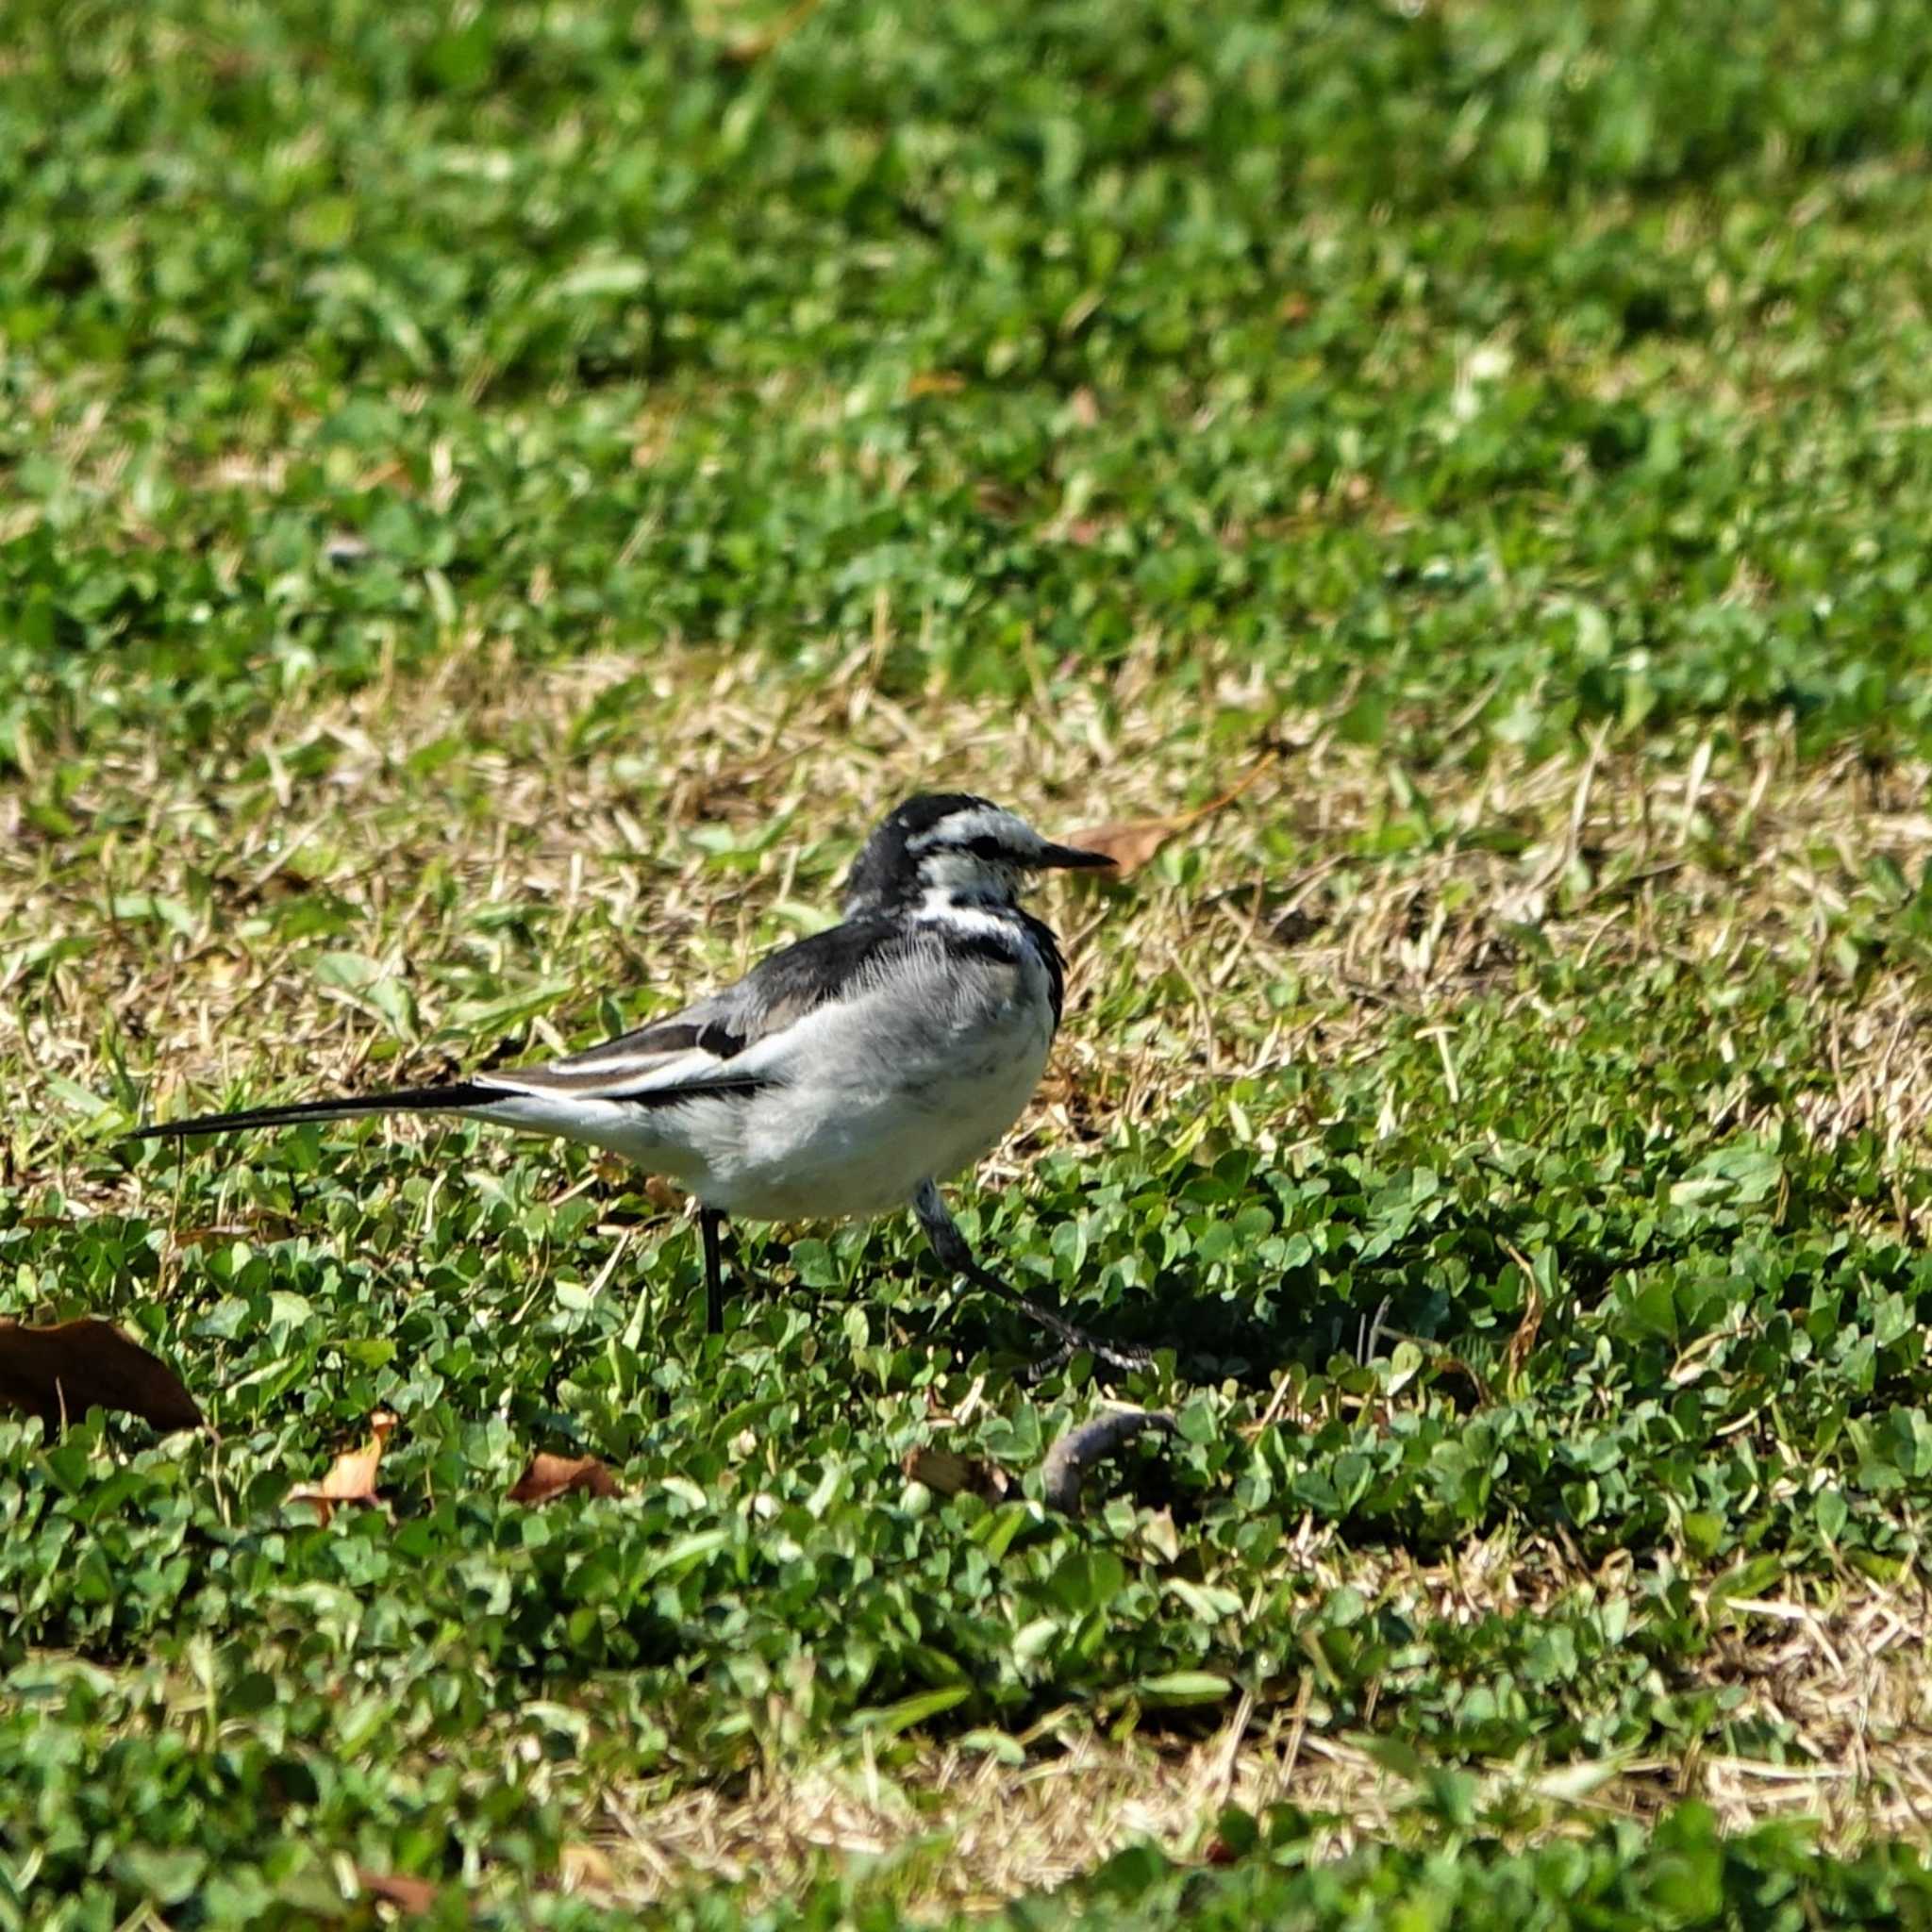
(809, 1151)
(867, 1099)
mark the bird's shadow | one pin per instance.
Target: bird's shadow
(1270, 1321)
(1213, 1337)
(1273, 1320)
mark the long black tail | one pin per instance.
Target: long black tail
(452, 1098)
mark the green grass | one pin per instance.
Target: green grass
(1684, 1874)
(499, 499)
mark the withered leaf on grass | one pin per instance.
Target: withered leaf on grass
(946, 1473)
(397, 1888)
(1133, 842)
(69, 1368)
(559, 1476)
(752, 46)
(352, 1476)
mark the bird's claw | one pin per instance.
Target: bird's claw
(1074, 1339)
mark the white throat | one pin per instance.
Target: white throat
(945, 906)
(963, 879)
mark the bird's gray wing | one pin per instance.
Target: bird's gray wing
(692, 1052)
(732, 1043)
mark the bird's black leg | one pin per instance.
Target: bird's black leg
(949, 1244)
(710, 1224)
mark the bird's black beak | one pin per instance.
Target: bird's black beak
(1070, 856)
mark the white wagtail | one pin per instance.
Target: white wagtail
(844, 1075)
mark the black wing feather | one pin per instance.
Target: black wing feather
(452, 1098)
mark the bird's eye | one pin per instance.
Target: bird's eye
(986, 846)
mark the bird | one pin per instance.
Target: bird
(846, 1075)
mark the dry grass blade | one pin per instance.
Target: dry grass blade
(1517, 1354)
(1134, 842)
(352, 1476)
(64, 1371)
(550, 1476)
(1846, 1683)
(584, 1868)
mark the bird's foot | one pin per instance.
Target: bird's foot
(1074, 1341)
(950, 1245)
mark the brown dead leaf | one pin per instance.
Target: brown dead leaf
(946, 1473)
(994, 499)
(393, 474)
(64, 1371)
(352, 1476)
(395, 1889)
(559, 1475)
(260, 1226)
(206, 1236)
(936, 382)
(752, 46)
(1133, 842)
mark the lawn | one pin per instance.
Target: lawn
(499, 498)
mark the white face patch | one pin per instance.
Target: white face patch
(953, 878)
(979, 822)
